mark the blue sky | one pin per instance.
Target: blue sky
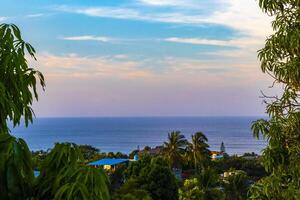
(145, 57)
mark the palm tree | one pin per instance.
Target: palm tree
(174, 148)
(198, 150)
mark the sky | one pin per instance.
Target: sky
(145, 57)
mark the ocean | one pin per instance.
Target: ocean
(125, 134)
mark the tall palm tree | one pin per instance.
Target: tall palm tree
(174, 148)
(198, 150)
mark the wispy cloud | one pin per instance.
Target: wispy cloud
(88, 38)
(244, 42)
(240, 15)
(186, 4)
(36, 15)
(3, 18)
(74, 65)
(198, 41)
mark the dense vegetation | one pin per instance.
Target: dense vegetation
(64, 173)
(280, 58)
(153, 176)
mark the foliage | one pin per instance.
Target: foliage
(116, 177)
(198, 150)
(134, 169)
(63, 176)
(222, 147)
(236, 185)
(88, 151)
(81, 182)
(204, 186)
(174, 148)
(252, 167)
(17, 91)
(191, 190)
(154, 175)
(16, 175)
(209, 182)
(131, 191)
(158, 179)
(280, 59)
(37, 158)
(17, 79)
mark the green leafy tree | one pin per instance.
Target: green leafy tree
(175, 148)
(64, 176)
(131, 191)
(198, 150)
(236, 185)
(159, 180)
(17, 80)
(88, 151)
(191, 190)
(280, 58)
(153, 175)
(209, 183)
(17, 91)
(205, 186)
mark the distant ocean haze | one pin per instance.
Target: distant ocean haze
(124, 134)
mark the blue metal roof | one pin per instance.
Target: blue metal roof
(109, 161)
(36, 173)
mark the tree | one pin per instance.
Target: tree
(174, 148)
(153, 174)
(63, 176)
(88, 151)
(159, 180)
(18, 84)
(280, 59)
(198, 150)
(222, 148)
(131, 191)
(17, 80)
(203, 187)
(236, 185)
(191, 190)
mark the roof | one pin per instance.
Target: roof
(36, 173)
(109, 161)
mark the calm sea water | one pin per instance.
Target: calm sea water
(126, 133)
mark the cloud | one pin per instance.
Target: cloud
(245, 17)
(73, 65)
(241, 15)
(3, 18)
(198, 41)
(88, 38)
(245, 42)
(190, 4)
(36, 15)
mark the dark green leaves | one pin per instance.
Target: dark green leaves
(280, 58)
(17, 80)
(65, 176)
(16, 178)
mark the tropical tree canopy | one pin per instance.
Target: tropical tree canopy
(63, 175)
(236, 185)
(198, 150)
(175, 147)
(280, 58)
(17, 90)
(18, 81)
